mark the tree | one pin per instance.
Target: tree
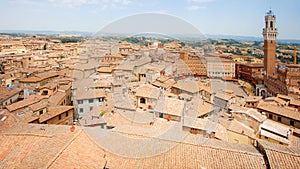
(71, 39)
(182, 44)
(45, 47)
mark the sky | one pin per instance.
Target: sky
(215, 17)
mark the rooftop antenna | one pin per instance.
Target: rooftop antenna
(270, 8)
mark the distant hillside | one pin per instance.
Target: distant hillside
(32, 32)
(251, 38)
(241, 38)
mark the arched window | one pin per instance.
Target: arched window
(263, 93)
(142, 100)
(271, 24)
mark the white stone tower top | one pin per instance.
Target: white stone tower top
(270, 31)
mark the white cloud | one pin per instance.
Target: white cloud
(195, 7)
(78, 3)
(126, 2)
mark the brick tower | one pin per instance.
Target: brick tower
(270, 33)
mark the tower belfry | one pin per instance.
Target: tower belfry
(270, 33)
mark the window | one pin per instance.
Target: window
(80, 101)
(67, 114)
(81, 110)
(20, 113)
(271, 23)
(91, 100)
(59, 117)
(292, 123)
(101, 99)
(279, 119)
(45, 92)
(143, 100)
(270, 116)
(41, 112)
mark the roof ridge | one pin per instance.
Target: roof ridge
(63, 149)
(284, 152)
(265, 146)
(26, 134)
(187, 143)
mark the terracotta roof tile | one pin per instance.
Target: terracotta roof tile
(295, 102)
(148, 91)
(248, 111)
(279, 110)
(25, 116)
(26, 102)
(54, 111)
(30, 80)
(25, 150)
(50, 85)
(56, 98)
(280, 156)
(81, 153)
(89, 94)
(188, 86)
(51, 146)
(6, 93)
(159, 153)
(46, 75)
(38, 106)
(241, 128)
(170, 106)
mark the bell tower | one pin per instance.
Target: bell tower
(270, 33)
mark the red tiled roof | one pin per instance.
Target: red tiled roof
(81, 153)
(24, 150)
(38, 106)
(54, 111)
(280, 156)
(22, 104)
(6, 93)
(54, 146)
(283, 111)
(56, 98)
